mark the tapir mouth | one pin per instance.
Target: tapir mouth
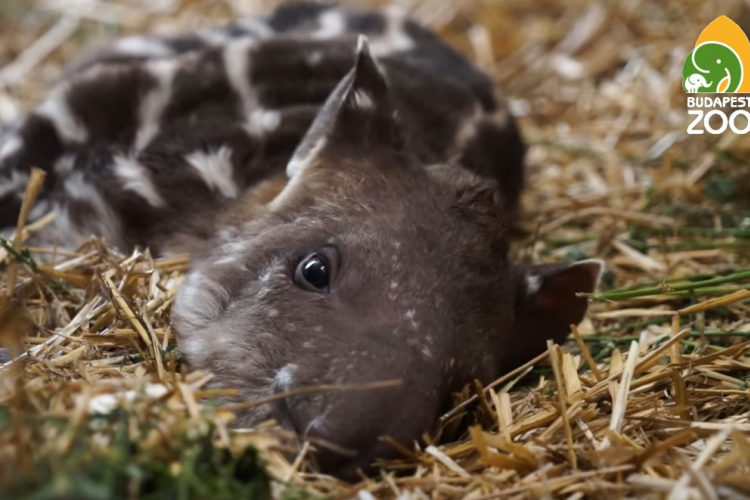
(327, 457)
(283, 416)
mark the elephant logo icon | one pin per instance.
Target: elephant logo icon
(695, 82)
(719, 61)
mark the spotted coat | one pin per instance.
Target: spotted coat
(146, 140)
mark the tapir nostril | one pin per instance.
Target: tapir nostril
(283, 416)
(329, 457)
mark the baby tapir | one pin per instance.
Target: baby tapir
(345, 203)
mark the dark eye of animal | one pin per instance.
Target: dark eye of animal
(314, 273)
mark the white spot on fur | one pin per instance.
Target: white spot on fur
(153, 104)
(16, 184)
(363, 100)
(41, 208)
(64, 166)
(410, 315)
(56, 110)
(398, 41)
(263, 122)
(237, 65)
(395, 38)
(266, 274)
(233, 247)
(143, 46)
(262, 284)
(533, 284)
(137, 179)
(77, 188)
(467, 130)
(10, 147)
(214, 37)
(394, 284)
(316, 422)
(226, 234)
(216, 170)
(255, 27)
(284, 378)
(63, 234)
(231, 259)
(104, 222)
(331, 23)
(314, 58)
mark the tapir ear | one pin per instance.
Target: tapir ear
(358, 115)
(546, 305)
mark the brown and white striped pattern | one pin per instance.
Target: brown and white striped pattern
(152, 136)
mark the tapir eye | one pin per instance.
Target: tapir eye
(314, 272)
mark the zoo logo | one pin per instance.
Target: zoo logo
(720, 60)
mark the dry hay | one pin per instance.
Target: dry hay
(650, 398)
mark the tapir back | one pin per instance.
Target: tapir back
(146, 141)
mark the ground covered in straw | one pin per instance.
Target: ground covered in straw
(648, 399)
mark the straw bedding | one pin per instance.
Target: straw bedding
(648, 399)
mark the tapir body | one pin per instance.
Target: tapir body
(345, 201)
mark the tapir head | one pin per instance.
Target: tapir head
(369, 267)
